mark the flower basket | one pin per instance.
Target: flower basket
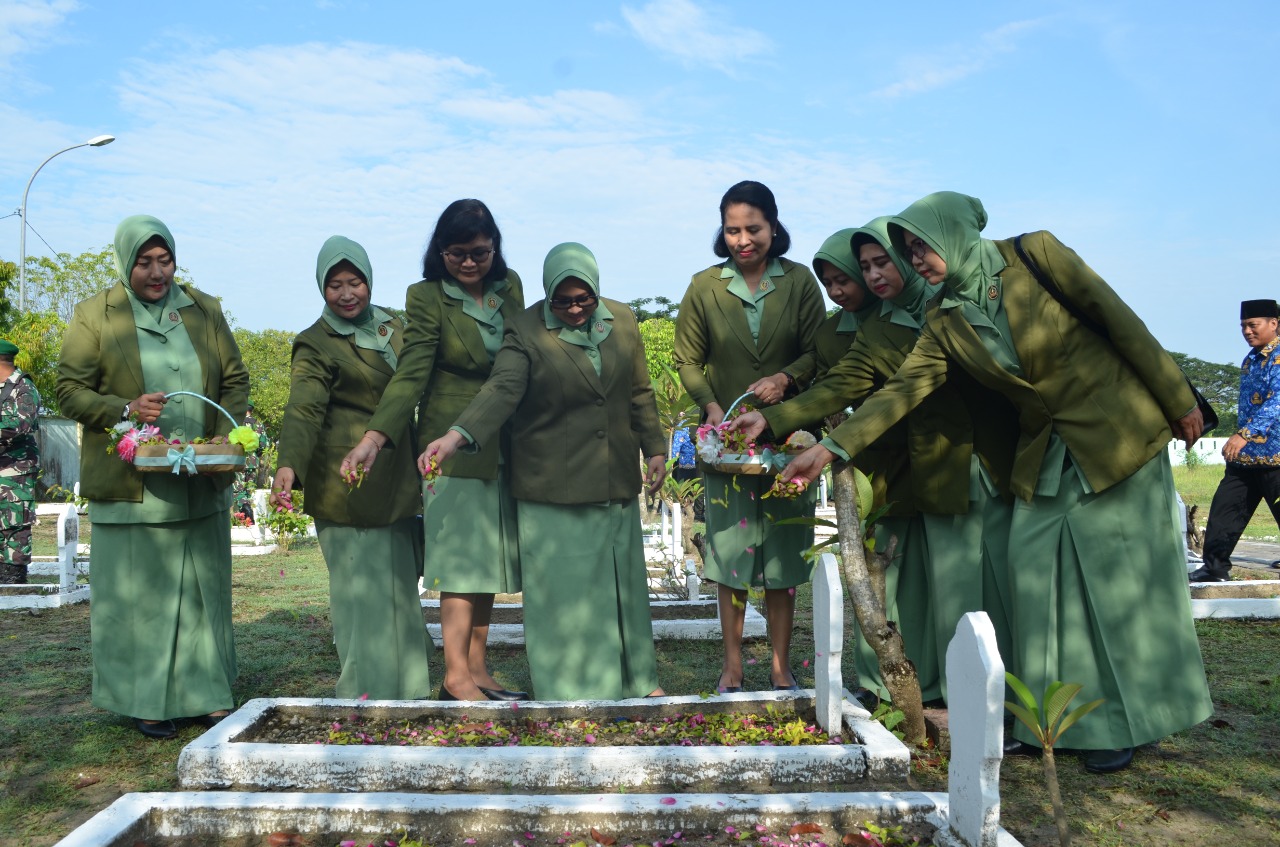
(744, 459)
(148, 452)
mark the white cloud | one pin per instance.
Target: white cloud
(927, 74)
(24, 24)
(695, 36)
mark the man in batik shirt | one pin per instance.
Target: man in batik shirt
(1253, 452)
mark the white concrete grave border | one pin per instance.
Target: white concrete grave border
(68, 565)
(230, 814)
(218, 760)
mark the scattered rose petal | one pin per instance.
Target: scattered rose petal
(805, 663)
(364, 696)
(804, 828)
(743, 523)
(791, 591)
(751, 549)
(599, 838)
(751, 661)
(668, 801)
(282, 572)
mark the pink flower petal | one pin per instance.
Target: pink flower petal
(743, 523)
(668, 801)
(805, 663)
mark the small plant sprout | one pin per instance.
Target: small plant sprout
(1048, 727)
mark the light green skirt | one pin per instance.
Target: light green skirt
(471, 540)
(587, 627)
(160, 618)
(377, 617)
(1100, 595)
(745, 546)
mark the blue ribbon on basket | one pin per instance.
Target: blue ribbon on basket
(184, 458)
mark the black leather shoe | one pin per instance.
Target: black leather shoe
(211, 720)
(1014, 747)
(727, 689)
(1107, 761)
(504, 695)
(157, 729)
(443, 694)
(1203, 574)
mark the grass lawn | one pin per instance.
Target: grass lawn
(1197, 485)
(62, 760)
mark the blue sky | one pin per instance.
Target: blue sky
(1142, 134)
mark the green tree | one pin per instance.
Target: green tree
(663, 308)
(659, 336)
(1220, 385)
(39, 339)
(8, 292)
(267, 355)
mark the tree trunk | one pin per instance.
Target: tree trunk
(869, 608)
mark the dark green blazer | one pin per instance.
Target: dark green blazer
(576, 437)
(334, 388)
(829, 346)
(101, 371)
(714, 353)
(443, 365)
(1109, 401)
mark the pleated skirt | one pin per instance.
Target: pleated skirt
(377, 618)
(160, 618)
(1100, 596)
(588, 631)
(745, 546)
(472, 546)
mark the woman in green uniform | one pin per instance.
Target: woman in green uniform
(1097, 582)
(747, 325)
(572, 380)
(944, 504)
(457, 315)
(161, 555)
(368, 532)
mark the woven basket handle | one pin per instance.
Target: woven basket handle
(729, 413)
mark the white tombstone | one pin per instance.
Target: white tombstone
(68, 545)
(677, 531)
(828, 638)
(975, 701)
(261, 505)
(692, 583)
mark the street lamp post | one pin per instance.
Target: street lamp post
(97, 141)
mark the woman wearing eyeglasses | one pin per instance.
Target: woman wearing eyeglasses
(456, 318)
(571, 379)
(745, 325)
(1098, 590)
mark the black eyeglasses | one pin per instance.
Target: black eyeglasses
(582, 300)
(479, 255)
(918, 248)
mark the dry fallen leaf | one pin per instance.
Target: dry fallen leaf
(804, 828)
(606, 840)
(853, 838)
(86, 781)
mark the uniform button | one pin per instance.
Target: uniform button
(177, 433)
(599, 402)
(492, 329)
(164, 339)
(755, 365)
(599, 433)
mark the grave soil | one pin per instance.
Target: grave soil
(800, 834)
(319, 726)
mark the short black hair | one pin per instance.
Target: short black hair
(460, 222)
(7, 357)
(755, 194)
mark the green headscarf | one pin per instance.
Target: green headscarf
(572, 259)
(951, 223)
(837, 251)
(371, 328)
(907, 309)
(133, 232)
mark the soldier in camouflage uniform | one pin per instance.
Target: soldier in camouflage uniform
(19, 465)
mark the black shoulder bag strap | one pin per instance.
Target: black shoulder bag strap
(1206, 410)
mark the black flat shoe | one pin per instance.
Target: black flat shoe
(1108, 761)
(792, 687)
(157, 729)
(443, 694)
(1203, 574)
(727, 689)
(1014, 747)
(504, 695)
(211, 720)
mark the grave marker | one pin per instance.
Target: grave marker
(828, 637)
(975, 700)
